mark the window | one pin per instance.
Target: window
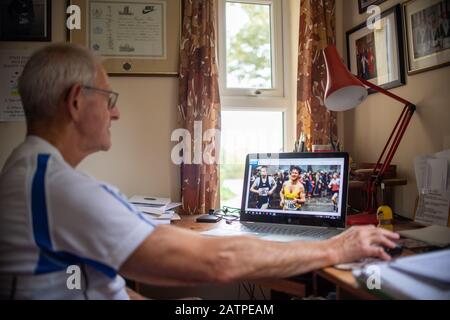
(245, 132)
(258, 113)
(251, 47)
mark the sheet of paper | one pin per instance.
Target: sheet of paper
(431, 172)
(434, 235)
(149, 201)
(433, 265)
(432, 209)
(166, 215)
(445, 154)
(153, 211)
(11, 66)
(172, 205)
(437, 175)
(420, 168)
(160, 221)
(402, 285)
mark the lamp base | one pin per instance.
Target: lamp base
(362, 219)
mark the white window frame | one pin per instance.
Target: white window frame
(276, 51)
(281, 99)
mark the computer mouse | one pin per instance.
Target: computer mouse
(394, 252)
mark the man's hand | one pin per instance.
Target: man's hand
(362, 242)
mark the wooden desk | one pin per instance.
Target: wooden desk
(342, 282)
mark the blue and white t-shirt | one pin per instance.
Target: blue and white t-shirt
(53, 216)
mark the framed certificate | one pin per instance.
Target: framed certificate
(138, 37)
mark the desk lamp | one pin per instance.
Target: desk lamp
(345, 91)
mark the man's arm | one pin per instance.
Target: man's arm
(302, 198)
(253, 188)
(175, 256)
(282, 194)
(274, 186)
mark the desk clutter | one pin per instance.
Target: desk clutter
(160, 209)
(433, 235)
(433, 184)
(422, 276)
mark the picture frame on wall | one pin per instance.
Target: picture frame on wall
(364, 4)
(427, 33)
(25, 20)
(139, 37)
(375, 53)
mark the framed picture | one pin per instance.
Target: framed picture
(139, 37)
(364, 4)
(25, 20)
(375, 53)
(427, 29)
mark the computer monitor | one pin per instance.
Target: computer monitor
(296, 188)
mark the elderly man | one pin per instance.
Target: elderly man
(54, 217)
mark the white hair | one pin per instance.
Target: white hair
(49, 74)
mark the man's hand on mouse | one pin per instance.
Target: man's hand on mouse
(362, 242)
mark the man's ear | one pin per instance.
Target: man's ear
(73, 101)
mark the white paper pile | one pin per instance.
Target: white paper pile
(433, 183)
(158, 208)
(423, 276)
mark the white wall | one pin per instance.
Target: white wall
(367, 127)
(139, 160)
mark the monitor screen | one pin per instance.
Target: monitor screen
(296, 185)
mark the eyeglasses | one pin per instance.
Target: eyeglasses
(112, 96)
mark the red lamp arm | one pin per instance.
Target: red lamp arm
(391, 145)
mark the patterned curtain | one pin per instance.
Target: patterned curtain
(317, 30)
(199, 104)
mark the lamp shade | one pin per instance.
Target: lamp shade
(344, 91)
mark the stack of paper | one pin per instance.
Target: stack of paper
(433, 183)
(157, 208)
(423, 276)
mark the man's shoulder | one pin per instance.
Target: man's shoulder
(27, 153)
(61, 174)
(68, 186)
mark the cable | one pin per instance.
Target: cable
(262, 292)
(253, 286)
(86, 281)
(13, 288)
(250, 290)
(231, 209)
(247, 290)
(239, 291)
(227, 213)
